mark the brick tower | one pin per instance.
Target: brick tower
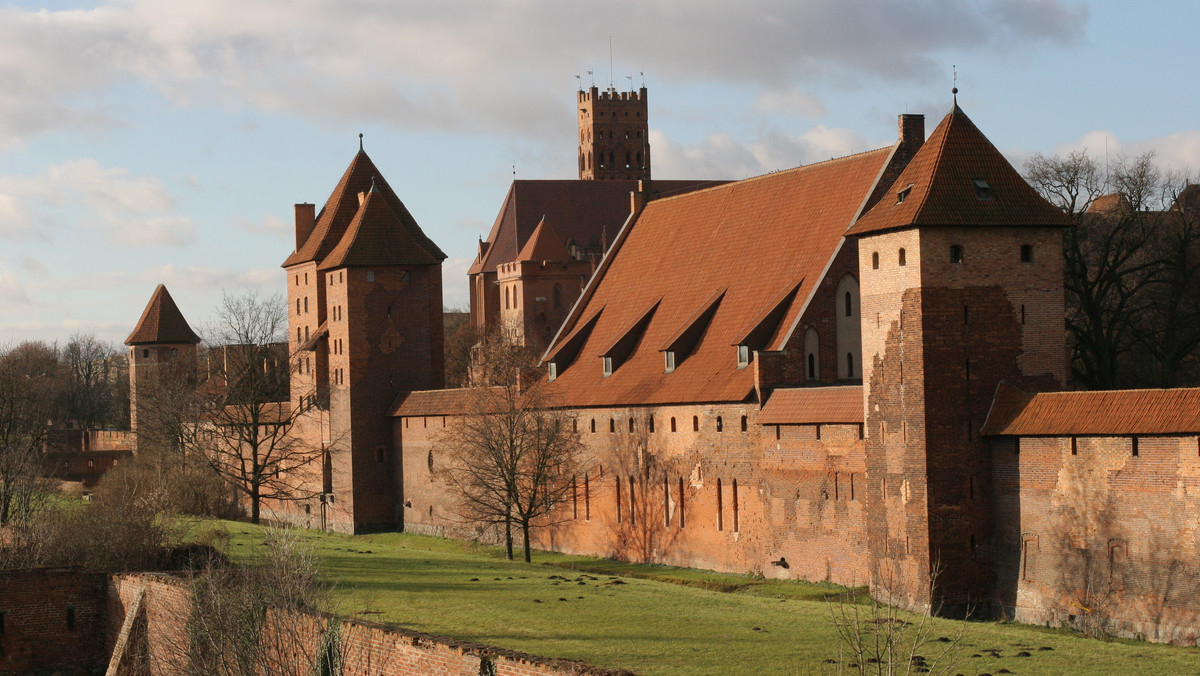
(365, 308)
(614, 135)
(961, 274)
(160, 344)
(540, 286)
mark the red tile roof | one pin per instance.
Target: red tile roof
(756, 239)
(161, 322)
(943, 174)
(1111, 203)
(580, 211)
(1106, 412)
(377, 236)
(810, 405)
(342, 206)
(438, 402)
(544, 245)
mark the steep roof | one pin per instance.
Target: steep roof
(161, 322)
(808, 405)
(1104, 412)
(342, 206)
(763, 241)
(544, 245)
(579, 210)
(377, 236)
(943, 176)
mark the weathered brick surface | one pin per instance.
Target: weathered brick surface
(52, 622)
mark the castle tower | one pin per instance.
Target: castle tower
(961, 275)
(614, 135)
(538, 289)
(365, 308)
(161, 342)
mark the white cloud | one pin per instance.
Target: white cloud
(720, 156)
(435, 65)
(123, 209)
(1179, 152)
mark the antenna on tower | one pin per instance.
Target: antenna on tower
(514, 168)
(643, 74)
(954, 90)
(610, 64)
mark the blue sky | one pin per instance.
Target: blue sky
(144, 141)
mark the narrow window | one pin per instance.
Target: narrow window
(574, 423)
(1026, 253)
(836, 486)
(903, 193)
(370, 276)
(812, 366)
(379, 455)
(903, 258)
(574, 498)
(956, 253)
(557, 296)
(297, 306)
(428, 458)
(720, 508)
(1022, 313)
(720, 425)
(875, 261)
(817, 427)
(612, 425)
(1074, 446)
(306, 304)
(967, 368)
(682, 521)
(744, 423)
(71, 618)
(593, 425)
(587, 498)
(971, 487)
(669, 357)
(777, 433)
(618, 482)
(1134, 446)
(849, 365)
(735, 507)
(650, 424)
(673, 429)
(695, 423)
(966, 315)
(849, 307)
(743, 356)
(666, 502)
(631, 424)
(507, 298)
(852, 485)
(608, 366)
(632, 501)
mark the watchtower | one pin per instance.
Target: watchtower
(160, 346)
(614, 135)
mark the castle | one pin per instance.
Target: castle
(851, 371)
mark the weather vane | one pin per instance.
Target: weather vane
(954, 90)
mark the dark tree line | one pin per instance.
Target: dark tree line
(1132, 269)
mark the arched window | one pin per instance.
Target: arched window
(848, 330)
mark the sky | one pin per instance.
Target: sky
(146, 142)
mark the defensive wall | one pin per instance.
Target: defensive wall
(80, 623)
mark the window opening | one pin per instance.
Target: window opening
(673, 429)
(983, 191)
(1026, 253)
(695, 423)
(682, 522)
(720, 508)
(735, 507)
(903, 258)
(849, 305)
(632, 501)
(720, 425)
(744, 423)
(956, 253)
(875, 261)
(903, 193)
(618, 482)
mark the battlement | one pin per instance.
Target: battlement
(595, 94)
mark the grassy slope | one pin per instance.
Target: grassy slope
(651, 627)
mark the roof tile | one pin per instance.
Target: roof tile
(161, 322)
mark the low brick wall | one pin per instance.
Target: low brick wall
(51, 622)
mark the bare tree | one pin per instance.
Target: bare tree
(30, 388)
(642, 533)
(1133, 303)
(93, 383)
(246, 412)
(512, 456)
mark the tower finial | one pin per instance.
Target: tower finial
(373, 188)
(954, 90)
(360, 144)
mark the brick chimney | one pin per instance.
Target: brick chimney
(639, 197)
(306, 219)
(912, 132)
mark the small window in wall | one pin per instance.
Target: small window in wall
(720, 424)
(587, 497)
(428, 460)
(1134, 446)
(956, 253)
(736, 524)
(744, 423)
(849, 305)
(903, 258)
(612, 425)
(849, 365)
(650, 424)
(631, 424)
(618, 498)
(145, 354)
(983, 191)
(593, 425)
(695, 423)
(71, 618)
(673, 429)
(1074, 446)
(743, 356)
(875, 261)
(370, 276)
(720, 508)
(1026, 253)
(379, 454)
(632, 502)
(903, 193)
(682, 521)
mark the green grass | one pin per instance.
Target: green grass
(654, 619)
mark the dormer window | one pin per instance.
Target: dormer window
(552, 371)
(983, 191)
(370, 276)
(743, 356)
(904, 193)
(608, 366)
(669, 356)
